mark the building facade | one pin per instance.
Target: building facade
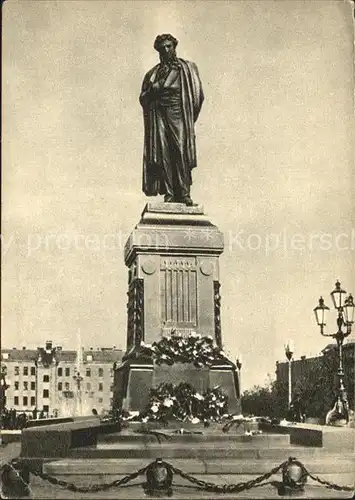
(58, 381)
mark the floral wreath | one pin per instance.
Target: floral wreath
(201, 351)
(182, 402)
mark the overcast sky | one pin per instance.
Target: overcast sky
(275, 164)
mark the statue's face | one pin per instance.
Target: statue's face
(167, 50)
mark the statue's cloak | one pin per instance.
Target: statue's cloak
(192, 99)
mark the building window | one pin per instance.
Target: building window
(25, 370)
(88, 372)
(60, 386)
(45, 378)
(33, 370)
(45, 408)
(67, 386)
(16, 400)
(25, 401)
(101, 372)
(101, 400)
(33, 401)
(17, 386)
(89, 357)
(45, 393)
(33, 386)
(67, 372)
(88, 386)
(17, 370)
(60, 372)
(101, 387)
(25, 386)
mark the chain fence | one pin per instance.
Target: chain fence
(231, 488)
(329, 484)
(95, 488)
(259, 481)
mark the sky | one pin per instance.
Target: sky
(275, 164)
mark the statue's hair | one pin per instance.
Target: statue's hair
(162, 38)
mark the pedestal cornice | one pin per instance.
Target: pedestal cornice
(173, 228)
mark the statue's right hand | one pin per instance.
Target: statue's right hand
(150, 93)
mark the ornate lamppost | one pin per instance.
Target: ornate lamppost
(289, 353)
(346, 308)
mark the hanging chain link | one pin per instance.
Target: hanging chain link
(232, 488)
(93, 488)
(330, 485)
(199, 483)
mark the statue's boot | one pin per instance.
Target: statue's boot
(188, 201)
(185, 196)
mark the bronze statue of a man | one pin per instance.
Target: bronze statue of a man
(171, 98)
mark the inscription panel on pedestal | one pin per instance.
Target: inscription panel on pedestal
(181, 332)
(178, 291)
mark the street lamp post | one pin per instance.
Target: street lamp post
(289, 353)
(345, 307)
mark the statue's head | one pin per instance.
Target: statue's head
(166, 44)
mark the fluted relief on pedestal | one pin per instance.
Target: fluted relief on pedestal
(178, 291)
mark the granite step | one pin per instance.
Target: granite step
(196, 439)
(185, 450)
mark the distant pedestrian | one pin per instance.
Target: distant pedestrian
(13, 418)
(6, 419)
(21, 420)
(296, 409)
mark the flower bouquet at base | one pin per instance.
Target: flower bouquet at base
(183, 403)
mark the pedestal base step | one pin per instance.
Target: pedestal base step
(186, 451)
(194, 438)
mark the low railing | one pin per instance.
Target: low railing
(159, 478)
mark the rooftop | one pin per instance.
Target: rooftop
(101, 354)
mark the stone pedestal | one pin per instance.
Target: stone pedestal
(173, 284)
